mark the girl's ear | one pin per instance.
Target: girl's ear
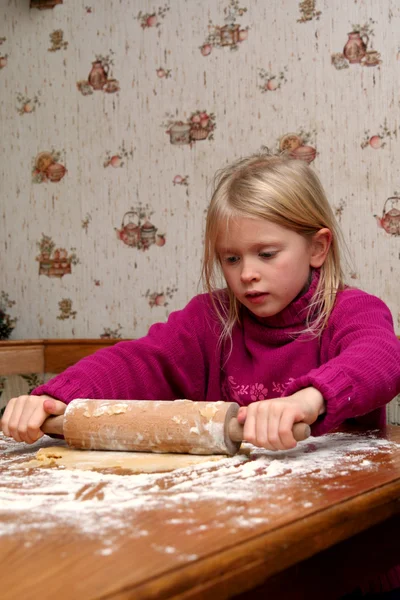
(320, 244)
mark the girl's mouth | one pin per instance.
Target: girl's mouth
(257, 297)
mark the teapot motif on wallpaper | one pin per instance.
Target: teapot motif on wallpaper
(356, 46)
(138, 235)
(390, 220)
(356, 50)
(98, 75)
(98, 78)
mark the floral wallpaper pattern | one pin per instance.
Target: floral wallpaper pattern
(116, 115)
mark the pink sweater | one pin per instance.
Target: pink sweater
(355, 364)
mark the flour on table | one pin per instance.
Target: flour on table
(247, 490)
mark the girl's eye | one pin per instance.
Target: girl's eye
(267, 254)
(231, 260)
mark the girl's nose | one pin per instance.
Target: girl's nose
(249, 273)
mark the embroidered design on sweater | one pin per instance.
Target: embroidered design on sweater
(253, 392)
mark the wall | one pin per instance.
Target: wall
(115, 115)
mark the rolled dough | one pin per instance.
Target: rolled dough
(101, 460)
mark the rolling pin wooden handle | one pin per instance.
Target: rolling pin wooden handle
(301, 431)
(54, 425)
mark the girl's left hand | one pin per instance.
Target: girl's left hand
(268, 423)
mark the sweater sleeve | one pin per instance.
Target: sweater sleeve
(360, 355)
(167, 364)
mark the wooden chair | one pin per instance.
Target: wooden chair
(46, 356)
(24, 364)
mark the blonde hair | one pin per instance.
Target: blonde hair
(284, 191)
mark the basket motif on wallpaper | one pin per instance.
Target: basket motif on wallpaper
(198, 133)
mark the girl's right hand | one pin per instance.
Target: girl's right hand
(25, 415)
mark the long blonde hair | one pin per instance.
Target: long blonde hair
(284, 191)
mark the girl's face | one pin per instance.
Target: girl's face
(265, 265)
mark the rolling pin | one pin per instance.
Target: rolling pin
(154, 426)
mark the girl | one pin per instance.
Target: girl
(286, 339)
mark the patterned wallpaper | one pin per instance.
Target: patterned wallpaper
(115, 115)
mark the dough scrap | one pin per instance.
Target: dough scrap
(99, 460)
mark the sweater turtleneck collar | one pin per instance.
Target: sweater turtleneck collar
(295, 314)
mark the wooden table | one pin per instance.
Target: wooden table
(206, 532)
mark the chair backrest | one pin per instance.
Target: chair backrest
(46, 356)
(25, 364)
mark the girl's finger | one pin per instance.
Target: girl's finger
(51, 406)
(34, 423)
(286, 430)
(242, 415)
(20, 407)
(261, 425)
(40, 414)
(249, 429)
(5, 421)
(268, 432)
